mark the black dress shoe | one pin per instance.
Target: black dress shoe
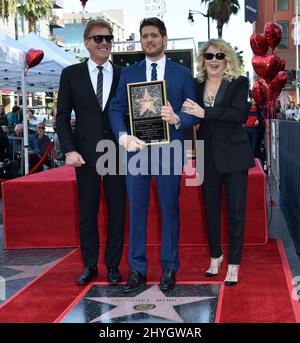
(135, 281)
(168, 280)
(113, 275)
(87, 275)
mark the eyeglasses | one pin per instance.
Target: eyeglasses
(99, 38)
(219, 56)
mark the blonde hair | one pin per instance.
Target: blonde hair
(232, 66)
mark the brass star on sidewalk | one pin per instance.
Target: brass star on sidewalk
(152, 302)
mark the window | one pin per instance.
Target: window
(282, 5)
(284, 44)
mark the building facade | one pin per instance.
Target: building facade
(73, 26)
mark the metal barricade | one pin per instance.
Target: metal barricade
(273, 155)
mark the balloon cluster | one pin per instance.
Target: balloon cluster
(34, 57)
(269, 67)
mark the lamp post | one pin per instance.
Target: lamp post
(191, 19)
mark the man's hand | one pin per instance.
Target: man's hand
(74, 159)
(131, 143)
(169, 115)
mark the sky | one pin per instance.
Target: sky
(237, 32)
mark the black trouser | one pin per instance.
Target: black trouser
(88, 185)
(236, 201)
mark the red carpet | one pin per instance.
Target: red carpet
(41, 211)
(262, 295)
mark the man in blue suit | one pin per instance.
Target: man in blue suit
(180, 86)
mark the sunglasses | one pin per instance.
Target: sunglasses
(99, 38)
(219, 56)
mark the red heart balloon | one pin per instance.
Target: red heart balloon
(259, 44)
(83, 2)
(273, 34)
(260, 93)
(277, 84)
(34, 57)
(267, 66)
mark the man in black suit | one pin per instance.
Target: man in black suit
(87, 88)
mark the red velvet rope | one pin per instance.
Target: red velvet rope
(42, 160)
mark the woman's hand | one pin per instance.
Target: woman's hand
(191, 107)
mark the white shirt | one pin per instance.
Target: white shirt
(297, 115)
(107, 78)
(161, 65)
(291, 113)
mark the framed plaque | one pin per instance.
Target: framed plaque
(145, 100)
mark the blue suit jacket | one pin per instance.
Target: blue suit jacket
(180, 86)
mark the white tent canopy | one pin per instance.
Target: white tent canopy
(51, 50)
(42, 78)
(12, 53)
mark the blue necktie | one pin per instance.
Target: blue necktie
(100, 85)
(154, 72)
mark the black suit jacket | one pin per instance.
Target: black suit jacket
(222, 129)
(92, 124)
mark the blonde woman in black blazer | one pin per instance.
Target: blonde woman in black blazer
(221, 106)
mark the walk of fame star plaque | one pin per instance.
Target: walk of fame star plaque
(145, 100)
(198, 302)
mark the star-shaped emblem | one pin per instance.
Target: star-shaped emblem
(147, 103)
(152, 302)
(29, 271)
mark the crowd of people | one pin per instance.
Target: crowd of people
(290, 111)
(11, 143)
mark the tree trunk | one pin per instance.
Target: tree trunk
(31, 26)
(220, 31)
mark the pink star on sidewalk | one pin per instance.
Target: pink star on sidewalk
(152, 301)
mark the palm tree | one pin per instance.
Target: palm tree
(34, 10)
(221, 10)
(7, 8)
